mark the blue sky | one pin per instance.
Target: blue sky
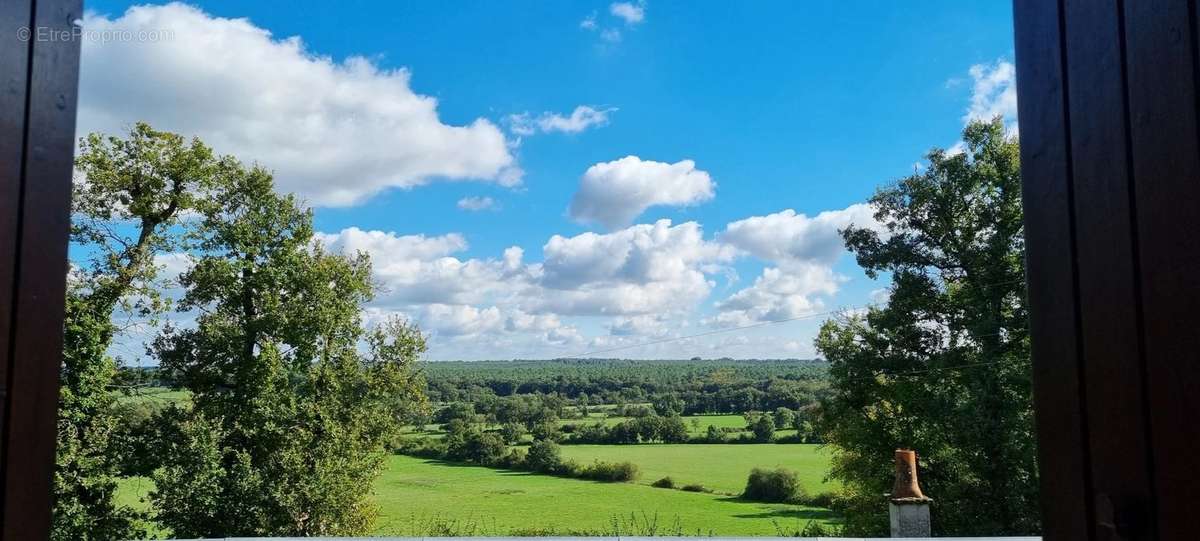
(390, 117)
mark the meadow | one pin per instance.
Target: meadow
(419, 497)
(422, 497)
(720, 467)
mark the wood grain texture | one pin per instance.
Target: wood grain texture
(1053, 292)
(1109, 278)
(1161, 55)
(38, 274)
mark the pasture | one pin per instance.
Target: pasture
(420, 497)
(720, 467)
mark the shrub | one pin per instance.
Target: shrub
(695, 488)
(547, 430)
(822, 499)
(512, 432)
(544, 456)
(780, 485)
(615, 472)
(514, 459)
(764, 428)
(665, 482)
(714, 435)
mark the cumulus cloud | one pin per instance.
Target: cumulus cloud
(993, 92)
(416, 269)
(614, 193)
(779, 294)
(476, 203)
(336, 132)
(629, 12)
(789, 237)
(802, 250)
(580, 119)
(639, 282)
(643, 269)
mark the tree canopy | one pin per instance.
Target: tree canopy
(942, 367)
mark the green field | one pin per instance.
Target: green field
(720, 467)
(425, 497)
(419, 497)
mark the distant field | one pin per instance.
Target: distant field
(721, 467)
(160, 394)
(416, 495)
(703, 421)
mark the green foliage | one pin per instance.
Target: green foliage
(613, 472)
(288, 419)
(544, 456)
(135, 190)
(944, 367)
(512, 433)
(686, 387)
(784, 418)
(665, 482)
(779, 485)
(763, 428)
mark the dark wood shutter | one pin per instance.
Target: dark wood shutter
(1110, 151)
(39, 66)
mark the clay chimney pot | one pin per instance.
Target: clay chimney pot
(906, 487)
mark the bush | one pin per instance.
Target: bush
(512, 433)
(615, 472)
(780, 485)
(544, 456)
(665, 482)
(514, 459)
(822, 499)
(694, 488)
(764, 428)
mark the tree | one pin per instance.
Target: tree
(668, 404)
(129, 197)
(544, 456)
(943, 368)
(673, 430)
(289, 418)
(784, 418)
(512, 432)
(764, 428)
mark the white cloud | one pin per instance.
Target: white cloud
(611, 35)
(614, 193)
(643, 325)
(589, 22)
(416, 269)
(476, 203)
(779, 294)
(629, 12)
(643, 269)
(334, 132)
(993, 92)
(600, 290)
(788, 237)
(803, 251)
(460, 319)
(580, 119)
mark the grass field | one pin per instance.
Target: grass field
(720, 467)
(420, 497)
